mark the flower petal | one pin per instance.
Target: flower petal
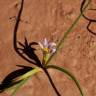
(41, 45)
(53, 50)
(45, 43)
(52, 44)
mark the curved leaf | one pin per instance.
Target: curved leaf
(67, 73)
(60, 44)
(18, 86)
(24, 78)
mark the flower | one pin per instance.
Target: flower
(47, 47)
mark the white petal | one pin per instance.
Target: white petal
(41, 45)
(45, 42)
(53, 50)
(52, 44)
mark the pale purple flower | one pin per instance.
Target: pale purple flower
(48, 47)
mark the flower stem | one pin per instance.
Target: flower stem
(67, 32)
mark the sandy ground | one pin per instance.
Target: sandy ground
(50, 19)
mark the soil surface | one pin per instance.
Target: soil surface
(50, 19)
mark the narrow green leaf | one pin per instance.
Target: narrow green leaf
(18, 86)
(24, 78)
(67, 73)
(29, 73)
(68, 31)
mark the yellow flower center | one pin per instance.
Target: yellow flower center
(46, 49)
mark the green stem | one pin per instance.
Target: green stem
(68, 31)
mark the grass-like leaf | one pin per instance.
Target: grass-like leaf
(18, 86)
(67, 73)
(24, 78)
(28, 74)
(68, 31)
